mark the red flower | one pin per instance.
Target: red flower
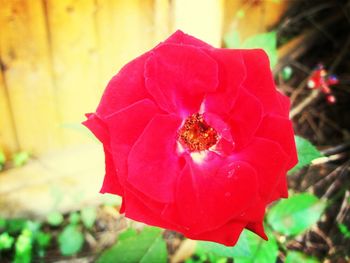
(196, 139)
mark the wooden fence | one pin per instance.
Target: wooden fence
(56, 56)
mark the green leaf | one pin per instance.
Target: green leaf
(23, 252)
(70, 240)
(306, 153)
(2, 158)
(266, 41)
(54, 218)
(43, 239)
(261, 251)
(6, 241)
(147, 246)
(344, 230)
(14, 226)
(249, 248)
(88, 216)
(74, 218)
(295, 256)
(287, 73)
(2, 224)
(33, 226)
(296, 214)
(157, 252)
(241, 249)
(19, 159)
(130, 232)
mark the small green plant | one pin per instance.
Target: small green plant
(21, 158)
(70, 240)
(55, 218)
(2, 160)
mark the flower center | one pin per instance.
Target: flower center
(196, 135)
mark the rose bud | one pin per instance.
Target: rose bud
(196, 139)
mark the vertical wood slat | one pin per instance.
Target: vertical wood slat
(201, 18)
(124, 32)
(162, 20)
(88, 41)
(24, 54)
(8, 140)
(75, 62)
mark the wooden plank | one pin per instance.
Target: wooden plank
(75, 58)
(25, 55)
(8, 141)
(65, 180)
(201, 18)
(162, 20)
(125, 31)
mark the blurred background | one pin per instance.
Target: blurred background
(57, 56)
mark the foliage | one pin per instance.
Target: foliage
(70, 240)
(249, 248)
(74, 218)
(294, 256)
(2, 160)
(23, 245)
(344, 230)
(146, 246)
(294, 215)
(88, 216)
(6, 241)
(287, 73)
(20, 158)
(25, 239)
(54, 218)
(306, 153)
(241, 249)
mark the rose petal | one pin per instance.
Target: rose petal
(180, 37)
(285, 104)
(259, 80)
(98, 128)
(257, 228)
(281, 189)
(125, 88)
(244, 118)
(125, 127)
(227, 234)
(210, 194)
(219, 125)
(254, 213)
(280, 130)
(268, 159)
(136, 209)
(111, 182)
(225, 145)
(179, 76)
(153, 164)
(232, 73)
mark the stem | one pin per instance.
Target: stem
(296, 110)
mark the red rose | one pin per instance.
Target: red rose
(196, 139)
